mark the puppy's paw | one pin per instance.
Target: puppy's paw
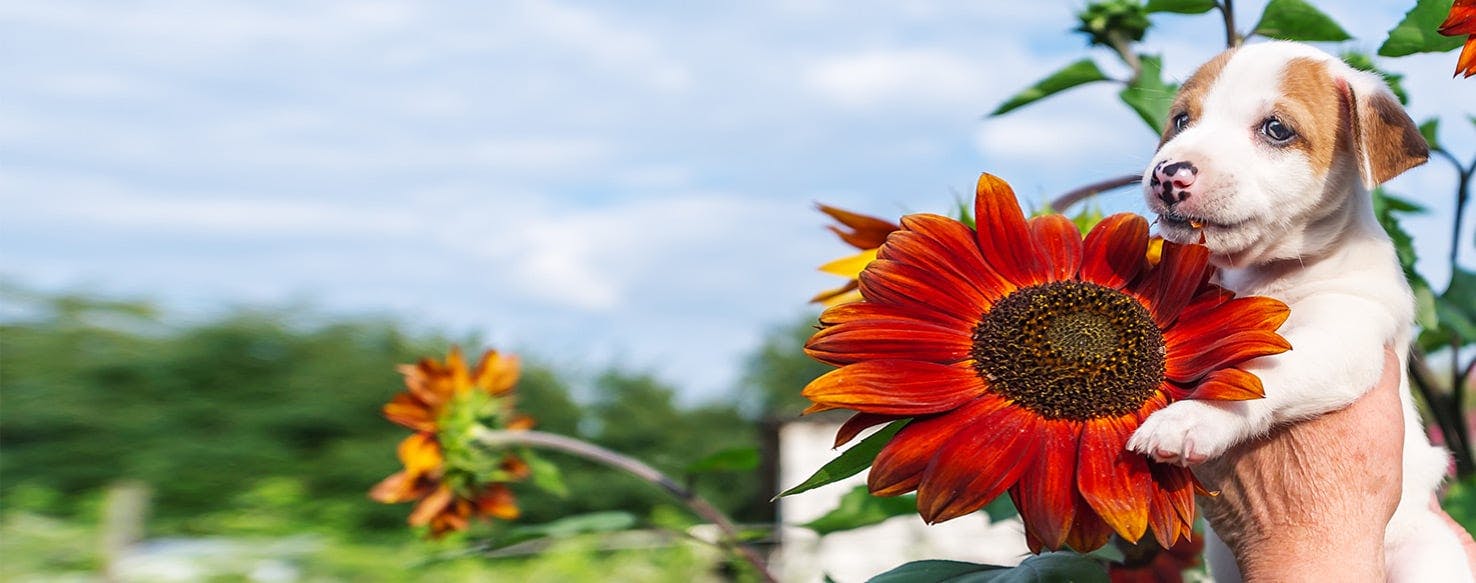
(1188, 432)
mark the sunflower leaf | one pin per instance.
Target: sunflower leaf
(1078, 73)
(1417, 32)
(734, 459)
(1430, 130)
(859, 508)
(1298, 20)
(1149, 95)
(1059, 566)
(849, 462)
(1182, 6)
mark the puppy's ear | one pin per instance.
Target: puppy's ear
(1386, 140)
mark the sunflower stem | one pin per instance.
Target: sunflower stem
(1071, 197)
(637, 468)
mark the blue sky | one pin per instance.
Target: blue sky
(585, 182)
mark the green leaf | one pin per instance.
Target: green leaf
(1149, 95)
(1455, 311)
(859, 508)
(1045, 568)
(1181, 6)
(544, 474)
(850, 462)
(1363, 62)
(1298, 20)
(1002, 508)
(1078, 73)
(1460, 503)
(1417, 32)
(737, 459)
(1087, 218)
(1430, 130)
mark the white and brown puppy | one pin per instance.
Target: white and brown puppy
(1270, 155)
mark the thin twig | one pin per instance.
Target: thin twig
(1227, 10)
(1071, 197)
(635, 467)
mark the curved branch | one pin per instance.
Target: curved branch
(1227, 10)
(1061, 203)
(634, 467)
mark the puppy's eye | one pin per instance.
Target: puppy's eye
(1181, 121)
(1276, 131)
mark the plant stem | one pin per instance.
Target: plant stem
(1071, 197)
(1227, 10)
(1124, 49)
(634, 467)
(1449, 419)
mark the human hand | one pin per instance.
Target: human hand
(1314, 497)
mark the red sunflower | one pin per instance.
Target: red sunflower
(1462, 21)
(862, 232)
(1026, 356)
(443, 472)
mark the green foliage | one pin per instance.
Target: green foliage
(859, 508)
(1387, 208)
(566, 527)
(1417, 33)
(1460, 503)
(733, 459)
(1455, 310)
(1430, 130)
(1182, 6)
(1149, 95)
(1113, 22)
(849, 462)
(1298, 20)
(1043, 568)
(1363, 62)
(1077, 73)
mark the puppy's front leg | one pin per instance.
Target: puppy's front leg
(1337, 353)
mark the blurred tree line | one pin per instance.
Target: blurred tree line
(268, 421)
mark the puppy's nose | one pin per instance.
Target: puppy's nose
(1171, 181)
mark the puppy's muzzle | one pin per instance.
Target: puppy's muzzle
(1171, 181)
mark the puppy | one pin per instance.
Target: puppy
(1270, 154)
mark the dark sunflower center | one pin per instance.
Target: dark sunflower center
(1070, 350)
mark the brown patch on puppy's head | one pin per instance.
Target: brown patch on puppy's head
(1190, 100)
(1310, 106)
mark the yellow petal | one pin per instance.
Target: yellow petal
(850, 266)
(421, 455)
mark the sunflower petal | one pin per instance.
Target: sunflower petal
(927, 292)
(980, 462)
(497, 501)
(867, 232)
(940, 244)
(1060, 243)
(1188, 366)
(896, 387)
(899, 465)
(432, 505)
(899, 338)
(1172, 284)
(858, 423)
(410, 412)
(1200, 321)
(1003, 235)
(1229, 384)
(397, 488)
(1173, 494)
(1115, 481)
(1089, 532)
(421, 454)
(1115, 250)
(850, 292)
(1048, 502)
(496, 373)
(850, 265)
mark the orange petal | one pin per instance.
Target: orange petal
(940, 244)
(1004, 237)
(1172, 490)
(516, 467)
(866, 232)
(460, 376)
(398, 488)
(410, 412)
(428, 381)
(520, 422)
(1060, 243)
(432, 505)
(1466, 63)
(1188, 365)
(1115, 481)
(1461, 20)
(1229, 384)
(1115, 250)
(898, 468)
(858, 423)
(496, 373)
(421, 454)
(1047, 489)
(498, 502)
(1173, 283)
(843, 294)
(976, 465)
(1201, 321)
(928, 294)
(896, 387)
(1089, 532)
(453, 518)
(903, 338)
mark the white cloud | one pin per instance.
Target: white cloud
(907, 77)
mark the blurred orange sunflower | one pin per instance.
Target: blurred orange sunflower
(862, 232)
(1462, 21)
(1147, 562)
(1025, 358)
(444, 470)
